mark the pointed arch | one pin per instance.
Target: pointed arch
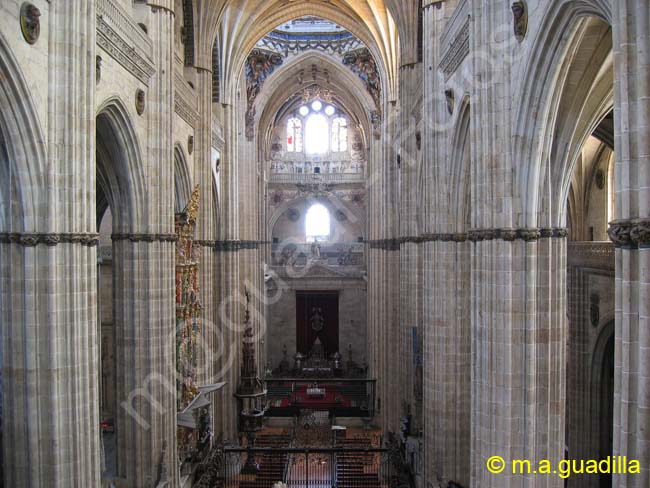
(22, 148)
(120, 172)
(182, 179)
(563, 29)
(461, 158)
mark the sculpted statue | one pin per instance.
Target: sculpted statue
(315, 250)
(520, 19)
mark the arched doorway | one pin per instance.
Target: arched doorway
(580, 154)
(602, 399)
(26, 370)
(119, 202)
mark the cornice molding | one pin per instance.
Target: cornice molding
(140, 237)
(122, 38)
(185, 100)
(234, 245)
(26, 239)
(473, 235)
(204, 243)
(457, 52)
(630, 234)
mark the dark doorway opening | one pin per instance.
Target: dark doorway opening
(607, 409)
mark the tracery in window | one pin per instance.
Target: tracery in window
(339, 134)
(294, 135)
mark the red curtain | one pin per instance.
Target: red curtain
(326, 304)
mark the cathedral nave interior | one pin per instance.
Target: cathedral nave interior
(324, 243)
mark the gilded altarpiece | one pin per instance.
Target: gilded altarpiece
(188, 312)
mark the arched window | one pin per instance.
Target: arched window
(294, 135)
(339, 134)
(317, 224)
(316, 134)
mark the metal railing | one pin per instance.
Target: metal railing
(309, 468)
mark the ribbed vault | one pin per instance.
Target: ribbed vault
(239, 24)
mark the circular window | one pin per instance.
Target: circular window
(316, 106)
(329, 110)
(304, 110)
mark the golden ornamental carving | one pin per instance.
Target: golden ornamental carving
(192, 209)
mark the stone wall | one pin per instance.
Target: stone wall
(281, 312)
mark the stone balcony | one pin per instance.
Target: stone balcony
(306, 178)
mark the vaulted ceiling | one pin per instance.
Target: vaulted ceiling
(240, 24)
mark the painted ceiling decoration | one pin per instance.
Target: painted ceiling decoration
(289, 43)
(259, 66)
(363, 64)
(310, 33)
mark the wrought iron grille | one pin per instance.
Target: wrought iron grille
(309, 468)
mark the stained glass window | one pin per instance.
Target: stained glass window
(294, 135)
(316, 134)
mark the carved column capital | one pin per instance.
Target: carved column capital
(630, 234)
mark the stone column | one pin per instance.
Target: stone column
(48, 290)
(145, 316)
(446, 264)
(231, 297)
(383, 261)
(631, 235)
(408, 144)
(145, 360)
(206, 233)
(518, 285)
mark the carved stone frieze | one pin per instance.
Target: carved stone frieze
(457, 52)
(185, 110)
(123, 40)
(48, 239)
